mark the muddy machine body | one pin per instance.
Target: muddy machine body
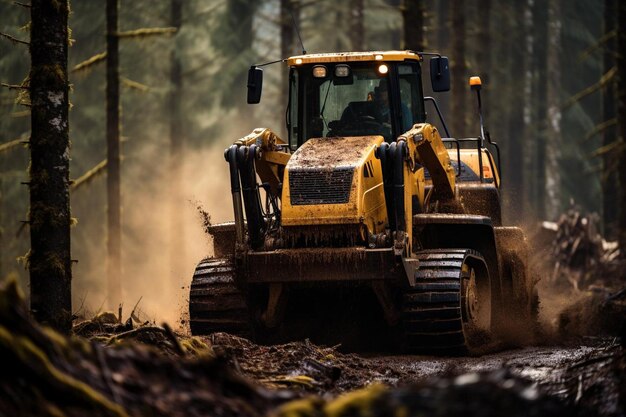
(364, 225)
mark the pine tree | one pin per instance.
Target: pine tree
(357, 29)
(553, 103)
(620, 60)
(515, 149)
(458, 70)
(114, 236)
(49, 218)
(413, 17)
(177, 144)
(609, 178)
(539, 59)
(286, 38)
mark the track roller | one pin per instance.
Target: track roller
(448, 310)
(215, 303)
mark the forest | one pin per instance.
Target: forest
(114, 118)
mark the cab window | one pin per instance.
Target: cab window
(411, 96)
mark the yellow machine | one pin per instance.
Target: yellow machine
(364, 225)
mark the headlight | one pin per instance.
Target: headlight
(342, 70)
(319, 71)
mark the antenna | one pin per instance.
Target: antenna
(295, 25)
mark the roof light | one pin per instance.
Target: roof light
(475, 81)
(383, 69)
(298, 61)
(342, 70)
(319, 71)
(378, 57)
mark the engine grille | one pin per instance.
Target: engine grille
(315, 186)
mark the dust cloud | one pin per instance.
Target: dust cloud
(153, 269)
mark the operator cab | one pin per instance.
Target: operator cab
(354, 99)
(352, 94)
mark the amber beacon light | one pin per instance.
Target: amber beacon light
(475, 82)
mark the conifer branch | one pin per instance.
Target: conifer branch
(12, 39)
(24, 113)
(601, 127)
(17, 3)
(134, 85)
(14, 86)
(89, 175)
(88, 63)
(11, 144)
(617, 144)
(146, 32)
(606, 37)
(606, 78)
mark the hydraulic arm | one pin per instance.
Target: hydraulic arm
(261, 152)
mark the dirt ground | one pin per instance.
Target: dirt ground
(582, 370)
(586, 374)
(576, 367)
(152, 371)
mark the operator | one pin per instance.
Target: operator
(381, 95)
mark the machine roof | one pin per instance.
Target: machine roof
(353, 57)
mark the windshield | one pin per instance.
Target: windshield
(355, 105)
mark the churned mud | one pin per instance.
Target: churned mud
(586, 374)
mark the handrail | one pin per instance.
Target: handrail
(443, 122)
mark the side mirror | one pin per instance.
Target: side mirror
(440, 74)
(255, 85)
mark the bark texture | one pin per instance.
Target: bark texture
(458, 71)
(539, 59)
(413, 17)
(286, 38)
(515, 149)
(177, 147)
(114, 200)
(620, 60)
(357, 29)
(553, 97)
(49, 261)
(609, 179)
(483, 50)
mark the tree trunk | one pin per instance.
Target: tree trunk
(540, 24)
(609, 179)
(395, 34)
(553, 97)
(114, 251)
(528, 136)
(458, 70)
(483, 50)
(443, 47)
(50, 262)
(620, 60)
(237, 23)
(357, 31)
(177, 145)
(514, 189)
(413, 17)
(289, 17)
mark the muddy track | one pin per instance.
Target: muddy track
(587, 375)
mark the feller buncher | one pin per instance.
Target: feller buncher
(364, 227)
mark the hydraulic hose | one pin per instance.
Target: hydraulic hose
(235, 189)
(398, 185)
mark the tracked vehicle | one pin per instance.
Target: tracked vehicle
(364, 226)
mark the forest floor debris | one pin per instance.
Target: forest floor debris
(45, 373)
(572, 252)
(582, 287)
(113, 367)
